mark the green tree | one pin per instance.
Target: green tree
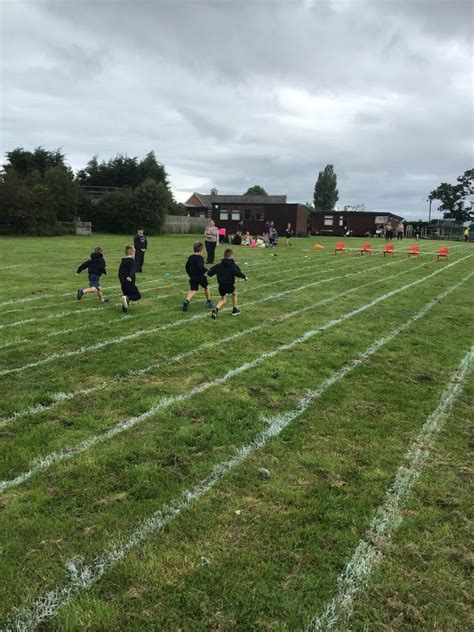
(122, 172)
(24, 163)
(256, 190)
(63, 192)
(325, 190)
(456, 198)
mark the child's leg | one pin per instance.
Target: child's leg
(89, 290)
(190, 295)
(221, 302)
(207, 292)
(100, 294)
(234, 299)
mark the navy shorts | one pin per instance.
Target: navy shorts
(226, 289)
(94, 281)
(194, 283)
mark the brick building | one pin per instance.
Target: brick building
(249, 212)
(358, 222)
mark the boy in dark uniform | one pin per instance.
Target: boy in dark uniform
(96, 268)
(141, 244)
(197, 276)
(226, 271)
(126, 275)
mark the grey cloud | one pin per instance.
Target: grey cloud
(232, 94)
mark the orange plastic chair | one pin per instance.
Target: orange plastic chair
(414, 250)
(340, 247)
(443, 252)
(389, 250)
(366, 248)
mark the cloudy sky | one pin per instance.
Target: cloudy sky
(235, 93)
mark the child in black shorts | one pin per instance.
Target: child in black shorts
(126, 274)
(197, 276)
(226, 272)
(96, 268)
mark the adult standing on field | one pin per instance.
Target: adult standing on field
(211, 236)
(400, 230)
(141, 244)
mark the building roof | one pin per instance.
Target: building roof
(209, 200)
(375, 213)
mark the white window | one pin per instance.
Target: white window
(236, 215)
(224, 215)
(259, 216)
(328, 220)
(341, 221)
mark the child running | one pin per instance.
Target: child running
(226, 272)
(127, 275)
(197, 276)
(96, 268)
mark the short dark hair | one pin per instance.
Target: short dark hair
(129, 249)
(228, 252)
(197, 247)
(98, 249)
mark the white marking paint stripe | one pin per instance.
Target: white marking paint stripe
(47, 461)
(274, 262)
(176, 323)
(370, 550)
(46, 606)
(98, 309)
(61, 397)
(72, 294)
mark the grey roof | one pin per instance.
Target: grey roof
(209, 200)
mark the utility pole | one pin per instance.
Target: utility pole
(430, 199)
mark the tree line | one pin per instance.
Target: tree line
(40, 194)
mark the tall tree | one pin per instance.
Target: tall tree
(256, 190)
(456, 198)
(122, 171)
(24, 163)
(325, 190)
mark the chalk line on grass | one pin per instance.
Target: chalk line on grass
(98, 308)
(61, 397)
(370, 550)
(44, 463)
(132, 316)
(170, 325)
(47, 605)
(71, 293)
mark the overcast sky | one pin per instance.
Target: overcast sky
(234, 93)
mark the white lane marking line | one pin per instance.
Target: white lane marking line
(71, 293)
(61, 397)
(98, 309)
(169, 325)
(44, 463)
(369, 552)
(46, 606)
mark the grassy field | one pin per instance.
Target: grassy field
(302, 466)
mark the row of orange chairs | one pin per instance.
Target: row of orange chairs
(390, 250)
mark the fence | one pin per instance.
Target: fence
(184, 224)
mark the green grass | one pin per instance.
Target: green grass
(272, 547)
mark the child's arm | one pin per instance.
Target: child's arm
(213, 270)
(82, 267)
(238, 272)
(104, 271)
